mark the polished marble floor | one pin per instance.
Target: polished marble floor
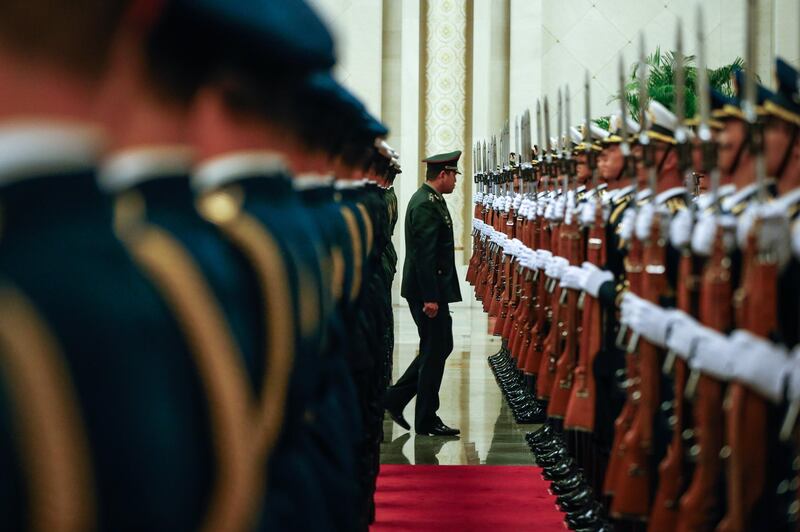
(469, 396)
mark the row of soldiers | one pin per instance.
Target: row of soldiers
(195, 270)
(645, 281)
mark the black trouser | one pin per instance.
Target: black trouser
(424, 375)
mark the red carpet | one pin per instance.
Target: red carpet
(464, 498)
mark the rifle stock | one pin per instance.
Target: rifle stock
(581, 408)
(700, 504)
(571, 242)
(746, 412)
(547, 365)
(633, 268)
(632, 496)
(672, 471)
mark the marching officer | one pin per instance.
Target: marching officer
(430, 285)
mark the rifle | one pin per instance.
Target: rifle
(546, 369)
(478, 214)
(572, 248)
(672, 470)
(633, 268)
(529, 362)
(522, 314)
(580, 413)
(746, 412)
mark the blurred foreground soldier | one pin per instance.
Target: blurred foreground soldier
(430, 285)
(127, 414)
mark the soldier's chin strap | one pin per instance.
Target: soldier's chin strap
(738, 158)
(787, 153)
(663, 159)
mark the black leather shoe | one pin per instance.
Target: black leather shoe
(576, 500)
(550, 459)
(570, 484)
(585, 517)
(561, 471)
(543, 433)
(438, 429)
(398, 418)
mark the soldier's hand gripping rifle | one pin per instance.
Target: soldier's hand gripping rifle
(571, 243)
(746, 412)
(633, 495)
(581, 408)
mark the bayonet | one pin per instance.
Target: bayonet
(624, 146)
(548, 152)
(704, 129)
(681, 137)
(591, 159)
(750, 101)
(648, 150)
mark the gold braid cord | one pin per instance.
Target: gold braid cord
(355, 239)
(54, 447)
(250, 237)
(237, 492)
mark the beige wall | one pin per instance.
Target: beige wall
(503, 54)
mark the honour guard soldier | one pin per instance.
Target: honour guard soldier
(429, 284)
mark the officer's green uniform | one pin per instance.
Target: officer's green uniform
(429, 275)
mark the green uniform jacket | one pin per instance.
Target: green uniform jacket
(429, 271)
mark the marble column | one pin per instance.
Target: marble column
(445, 94)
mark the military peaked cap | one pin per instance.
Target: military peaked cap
(273, 33)
(444, 161)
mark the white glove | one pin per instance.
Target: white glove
(560, 208)
(629, 301)
(627, 224)
(775, 232)
(573, 278)
(587, 213)
(548, 211)
(595, 280)
(793, 391)
(745, 222)
(542, 259)
(650, 321)
(760, 364)
(588, 266)
(644, 220)
(685, 331)
(713, 356)
(556, 267)
(680, 229)
(796, 239)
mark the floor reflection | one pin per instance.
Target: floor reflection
(470, 399)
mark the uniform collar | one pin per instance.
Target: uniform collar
(643, 194)
(309, 181)
(34, 148)
(789, 199)
(743, 194)
(436, 192)
(218, 171)
(668, 194)
(127, 168)
(704, 200)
